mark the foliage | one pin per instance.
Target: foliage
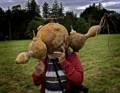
(61, 10)
(81, 25)
(93, 14)
(55, 9)
(33, 8)
(32, 26)
(69, 20)
(45, 10)
(18, 23)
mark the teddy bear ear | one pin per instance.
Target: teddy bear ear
(72, 30)
(22, 58)
(39, 27)
(38, 30)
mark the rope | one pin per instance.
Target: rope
(113, 24)
(109, 40)
(102, 21)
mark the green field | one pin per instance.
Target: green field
(100, 58)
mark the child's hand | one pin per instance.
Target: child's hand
(60, 56)
(39, 69)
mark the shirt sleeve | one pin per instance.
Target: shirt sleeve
(37, 80)
(73, 69)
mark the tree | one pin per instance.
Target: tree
(60, 13)
(9, 20)
(55, 9)
(100, 6)
(33, 8)
(91, 16)
(45, 10)
(69, 20)
(2, 24)
(81, 25)
(32, 26)
(16, 7)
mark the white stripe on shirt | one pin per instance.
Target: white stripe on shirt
(53, 74)
(48, 91)
(55, 81)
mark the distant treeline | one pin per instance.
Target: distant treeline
(18, 23)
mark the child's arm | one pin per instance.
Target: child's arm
(73, 69)
(38, 74)
(37, 80)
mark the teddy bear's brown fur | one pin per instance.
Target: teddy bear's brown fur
(53, 35)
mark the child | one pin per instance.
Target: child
(70, 73)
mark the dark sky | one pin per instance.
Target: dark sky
(72, 5)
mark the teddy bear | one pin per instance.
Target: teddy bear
(52, 36)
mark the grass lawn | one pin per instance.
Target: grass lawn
(101, 63)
